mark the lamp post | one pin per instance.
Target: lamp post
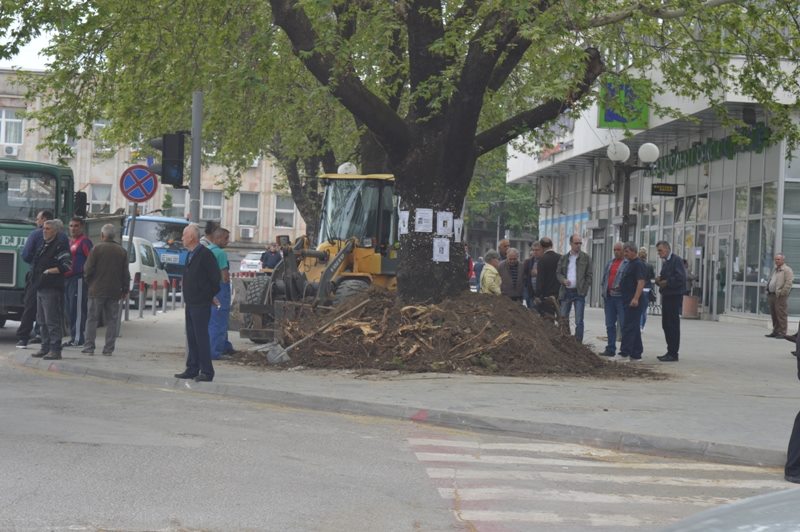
(619, 153)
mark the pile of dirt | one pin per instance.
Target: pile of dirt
(471, 333)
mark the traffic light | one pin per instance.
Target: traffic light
(171, 167)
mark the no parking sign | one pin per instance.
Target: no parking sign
(138, 183)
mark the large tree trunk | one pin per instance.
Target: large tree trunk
(426, 179)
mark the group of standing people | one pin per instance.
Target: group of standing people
(556, 285)
(69, 283)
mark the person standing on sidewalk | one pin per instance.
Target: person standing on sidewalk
(612, 298)
(529, 273)
(547, 285)
(792, 468)
(200, 282)
(672, 284)
(490, 278)
(52, 261)
(511, 281)
(631, 288)
(778, 288)
(32, 245)
(108, 278)
(575, 275)
(220, 314)
(79, 246)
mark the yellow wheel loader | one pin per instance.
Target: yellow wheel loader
(357, 247)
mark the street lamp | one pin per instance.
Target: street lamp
(619, 153)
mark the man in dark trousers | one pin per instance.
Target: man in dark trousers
(547, 285)
(672, 284)
(631, 288)
(108, 278)
(51, 262)
(79, 246)
(32, 245)
(200, 283)
(792, 469)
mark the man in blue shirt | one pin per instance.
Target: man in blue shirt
(631, 288)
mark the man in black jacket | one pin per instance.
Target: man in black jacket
(51, 261)
(547, 285)
(200, 283)
(672, 285)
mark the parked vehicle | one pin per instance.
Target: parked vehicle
(251, 262)
(165, 233)
(144, 266)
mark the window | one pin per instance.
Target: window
(211, 208)
(284, 211)
(148, 258)
(178, 208)
(100, 144)
(10, 127)
(248, 208)
(101, 199)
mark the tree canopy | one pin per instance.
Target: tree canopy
(435, 84)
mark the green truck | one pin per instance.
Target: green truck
(26, 188)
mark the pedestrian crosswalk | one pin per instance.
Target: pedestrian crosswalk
(552, 486)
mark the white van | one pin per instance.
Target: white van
(144, 265)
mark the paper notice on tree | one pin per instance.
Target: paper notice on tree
(423, 221)
(444, 223)
(403, 229)
(458, 228)
(441, 250)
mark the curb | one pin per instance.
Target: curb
(601, 438)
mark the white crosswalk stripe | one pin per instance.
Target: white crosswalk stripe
(541, 485)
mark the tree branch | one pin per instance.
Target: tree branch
(662, 12)
(515, 50)
(385, 123)
(425, 27)
(533, 118)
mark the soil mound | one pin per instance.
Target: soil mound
(473, 333)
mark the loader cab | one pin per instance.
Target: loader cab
(361, 206)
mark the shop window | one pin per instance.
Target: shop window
(752, 256)
(679, 209)
(743, 167)
(790, 246)
(702, 208)
(767, 246)
(700, 241)
(755, 200)
(770, 199)
(727, 204)
(669, 212)
(741, 203)
(791, 197)
(691, 214)
(739, 241)
(715, 206)
(757, 167)
(751, 298)
(737, 298)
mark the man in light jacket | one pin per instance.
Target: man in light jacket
(575, 275)
(778, 288)
(490, 278)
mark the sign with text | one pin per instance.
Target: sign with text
(664, 189)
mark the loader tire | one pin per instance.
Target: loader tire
(348, 288)
(256, 292)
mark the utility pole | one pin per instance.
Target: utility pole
(197, 130)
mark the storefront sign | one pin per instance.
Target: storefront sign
(664, 189)
(712, 150)
(621, 107)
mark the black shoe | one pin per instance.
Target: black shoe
(771, 335)
(52, 356)
(791, 337)
(668, 358)
(108, 353)
(87, 351)
(202, 377)
(792, 478)
(35, 340)
(607, 353)
(22, 344)
(40, 354)
(185, 375)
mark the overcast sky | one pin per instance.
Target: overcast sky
(29, 57)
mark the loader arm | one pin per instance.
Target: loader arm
(325, 280)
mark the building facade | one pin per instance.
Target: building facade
(737, 202)
(255, 215)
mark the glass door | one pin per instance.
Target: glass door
(719, 276)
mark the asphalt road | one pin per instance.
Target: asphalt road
(86, 454)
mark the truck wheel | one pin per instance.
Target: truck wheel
(347, 288)
(256, 292)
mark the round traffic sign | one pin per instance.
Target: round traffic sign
(138, 183)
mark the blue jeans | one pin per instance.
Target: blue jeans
(218, 324)
(615, 312)
(571, 296)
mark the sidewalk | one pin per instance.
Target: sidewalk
(732, 397)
